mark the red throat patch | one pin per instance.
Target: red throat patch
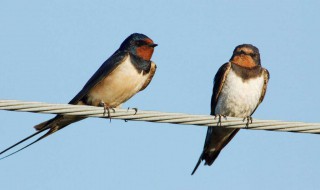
(145, 52)
(244, 61)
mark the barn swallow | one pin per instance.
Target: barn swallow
(128, 71)
(239, 87)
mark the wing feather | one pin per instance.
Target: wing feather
(266, 77)
(107, 67)
(151, 74)
(219, 80)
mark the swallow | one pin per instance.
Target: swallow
(128, 71)
(239, 87)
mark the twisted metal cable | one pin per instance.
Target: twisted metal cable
(158, 117)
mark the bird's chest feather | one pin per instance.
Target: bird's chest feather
(120, 85)
(238, 97)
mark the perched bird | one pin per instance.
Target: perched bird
(128, 71)
(239, 87)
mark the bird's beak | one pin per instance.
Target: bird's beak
(153, 45)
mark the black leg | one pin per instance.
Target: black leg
(106, 109)
(249, 121)
(219, 124)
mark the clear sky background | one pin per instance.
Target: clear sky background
(49, 49)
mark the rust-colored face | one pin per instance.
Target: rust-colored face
(145, 49)
(244, 60)
(246, 57)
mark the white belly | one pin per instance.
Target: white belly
(120, 85)
(239, 98)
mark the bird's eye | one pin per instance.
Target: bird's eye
(137, 43)
(140, 43)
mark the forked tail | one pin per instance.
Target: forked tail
(51, 126)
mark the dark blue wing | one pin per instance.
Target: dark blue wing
(219, 80)
(106, 68)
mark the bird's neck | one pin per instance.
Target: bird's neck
(140, 64)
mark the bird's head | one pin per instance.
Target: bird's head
(139, 45)
(246, 55)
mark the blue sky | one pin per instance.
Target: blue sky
(48, 50)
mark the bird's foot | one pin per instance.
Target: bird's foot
(135, 112)
(106, 109)
(219, 124)
(249, 121)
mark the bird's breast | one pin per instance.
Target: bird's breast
(238, 97)
(120, 85)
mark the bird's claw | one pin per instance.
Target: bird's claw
(135, 112)
(249, 121)
(219, 124)
(106, 109)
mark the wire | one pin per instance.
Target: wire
(158, 117)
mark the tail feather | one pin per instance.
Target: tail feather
(209, 158)
(198, 163)
(53, 125)
(216, 140)
(23, 140)
(43, 125)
